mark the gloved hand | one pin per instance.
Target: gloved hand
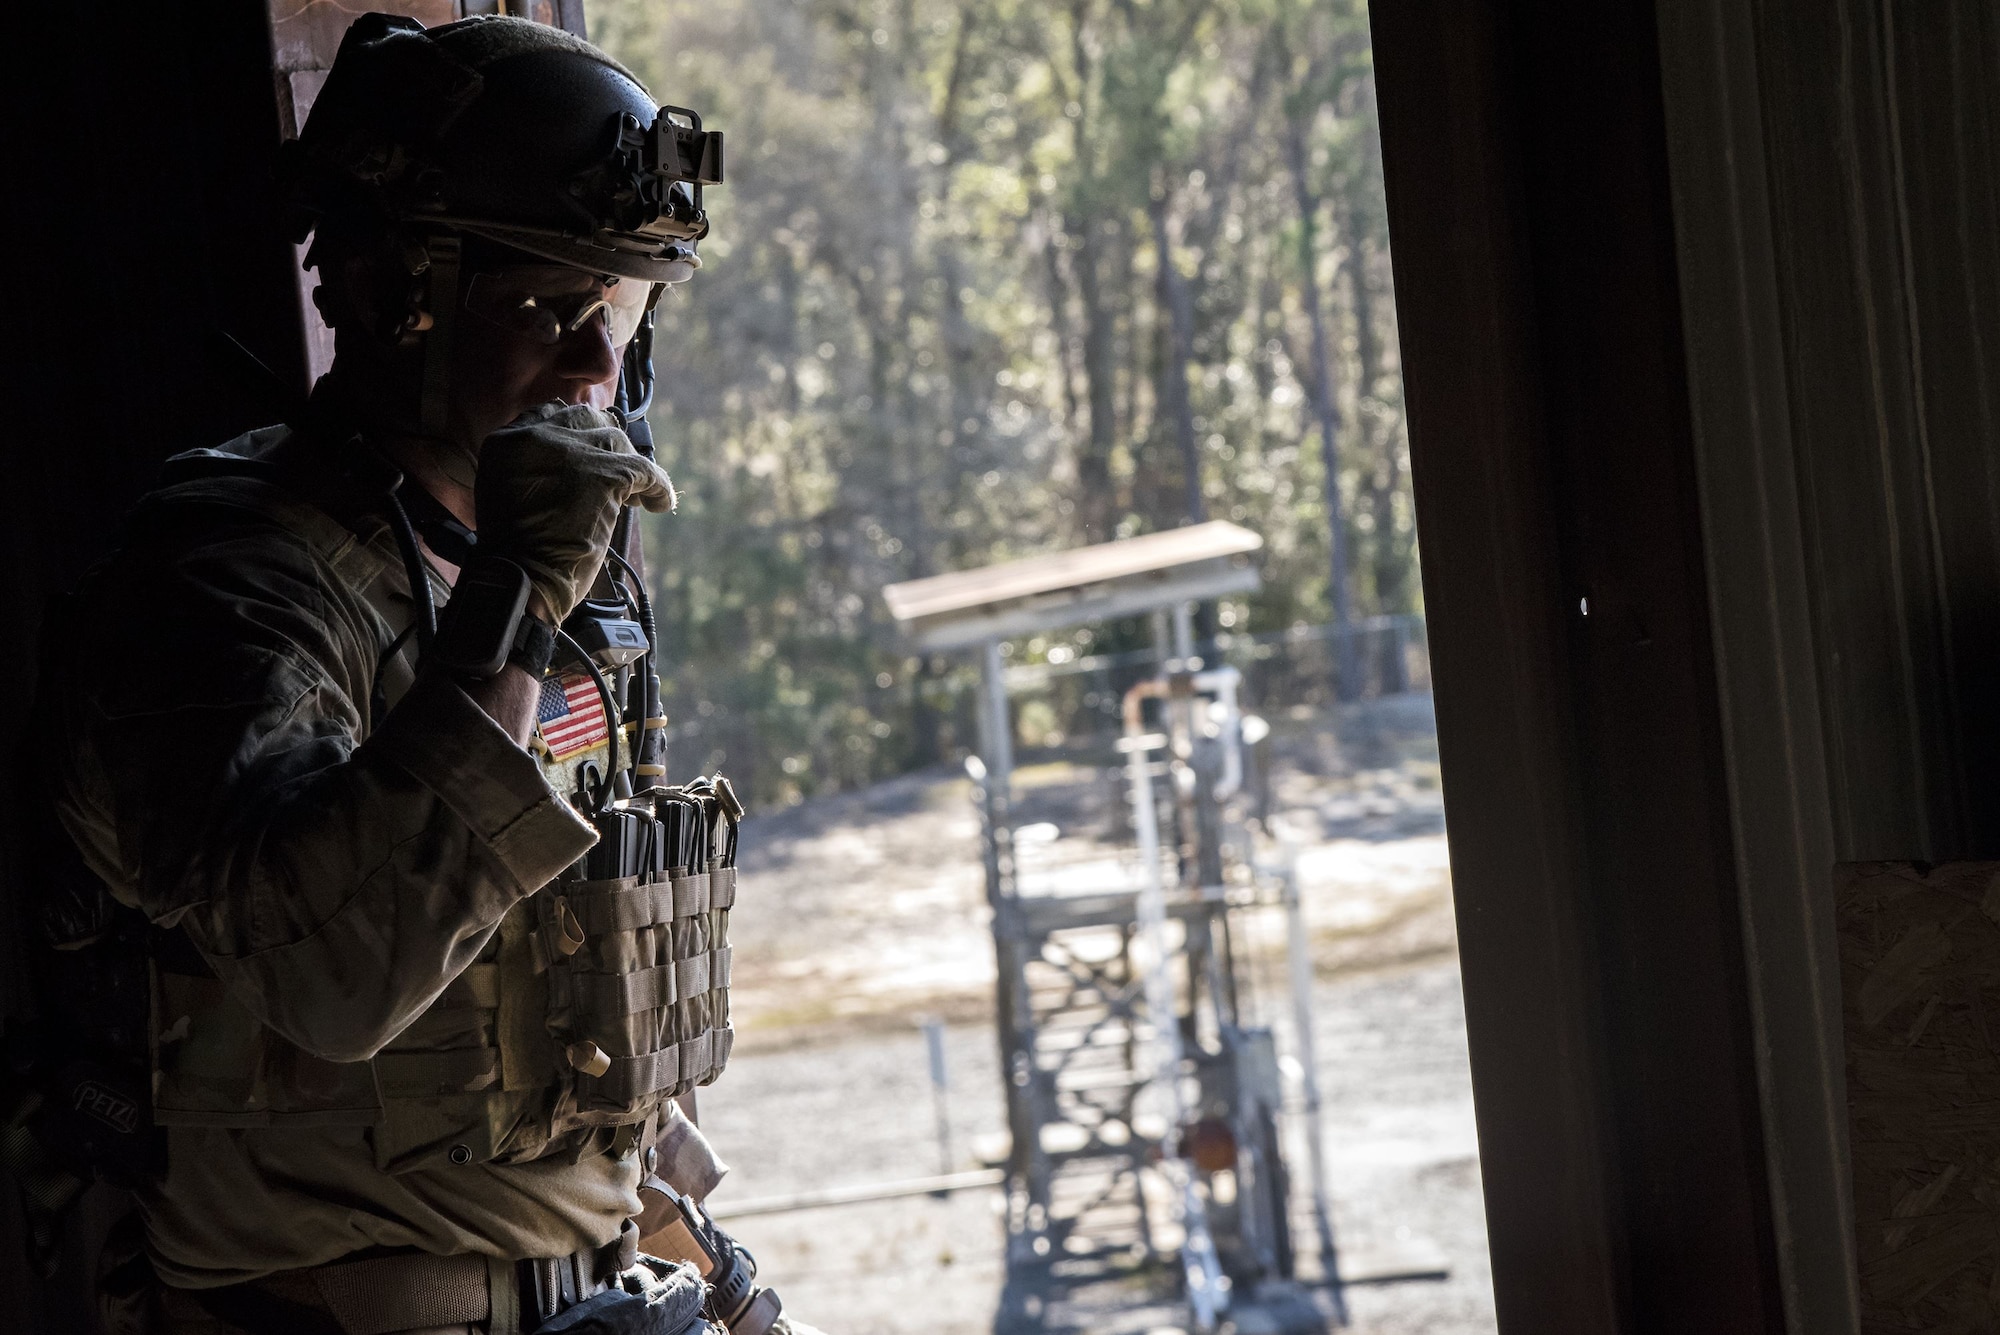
(549, 489)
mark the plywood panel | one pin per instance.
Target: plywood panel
(1920, 970)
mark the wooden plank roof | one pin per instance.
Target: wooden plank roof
(1086, 583)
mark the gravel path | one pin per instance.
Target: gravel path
(849, 1111)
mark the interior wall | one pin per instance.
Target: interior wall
(140, 229)
(1835, 168)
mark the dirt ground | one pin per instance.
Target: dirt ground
(863, 914)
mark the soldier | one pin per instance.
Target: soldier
(324, 804)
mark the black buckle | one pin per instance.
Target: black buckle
(540, 1282)
(553, 1284)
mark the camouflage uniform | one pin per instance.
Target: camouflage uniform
(240, 754)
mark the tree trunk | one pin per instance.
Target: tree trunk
(1071, 406)
(1386, 554)
(1176, 349)
(1347, 675)
(1085, 227)
(1093, 465)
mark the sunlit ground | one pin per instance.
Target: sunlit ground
(862, 913)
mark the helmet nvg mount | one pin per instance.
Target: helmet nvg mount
(505, 129)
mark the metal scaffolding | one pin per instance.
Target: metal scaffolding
(1147, 1104)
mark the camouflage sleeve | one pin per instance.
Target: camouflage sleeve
(686, 1161)
(219, 780)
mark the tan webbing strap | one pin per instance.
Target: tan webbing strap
(725, 1039)
(503, 1290)
(690, 896)
(722, 888)
(697, 1055)
(624, 908)
(603, 886)
(396, 1293)
(691, 976)
(635, 1077)
(626, 993)
(719, 966)
(692, 1062)
(422, 1074)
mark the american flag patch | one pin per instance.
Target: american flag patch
(570, 717)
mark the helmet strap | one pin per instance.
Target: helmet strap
(443, 268)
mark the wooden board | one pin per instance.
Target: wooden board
(1095, 583)
(1920, 982)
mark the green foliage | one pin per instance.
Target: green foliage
(933, 331)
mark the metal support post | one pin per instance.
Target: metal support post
(1184, 634)
(940, 1091)
(1207, 1296)
(1299, 958)
(996, 725)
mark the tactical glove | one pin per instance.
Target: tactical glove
(549, 490)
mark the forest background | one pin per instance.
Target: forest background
(990, 278)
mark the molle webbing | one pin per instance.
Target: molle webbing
(622, 904)
(635, 944)
(677, 1068)
(609, 987)
(649, 989)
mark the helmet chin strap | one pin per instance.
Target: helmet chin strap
(442, 299)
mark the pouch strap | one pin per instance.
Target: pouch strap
(603, 885)
(626, 993)
(691, 976)
(650, 988)
(673, 1066)
(692, 895)
(624, 905)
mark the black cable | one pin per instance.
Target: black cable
(413, 569)
(649, 702)
(645, 604)
(635, 386)
(612, 722)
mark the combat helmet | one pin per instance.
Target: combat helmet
(501, 128)
(510, 129)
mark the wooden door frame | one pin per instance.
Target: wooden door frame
(1586, 777)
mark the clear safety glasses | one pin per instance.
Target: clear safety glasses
(547, 303)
